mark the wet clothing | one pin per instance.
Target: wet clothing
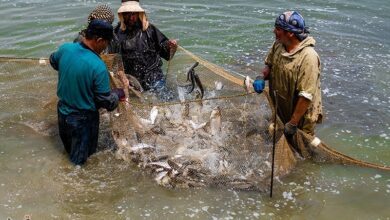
(83, 88)
(79, 134)
(296, 74)
(142, 52)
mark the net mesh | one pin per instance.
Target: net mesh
(182, 139)
(222, 139)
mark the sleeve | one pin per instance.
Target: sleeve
(104, 98)
(102, 81)
(113, 46)
(269, 57)
(54, 59)
(107, 100)
(161, 43)
(309, 74)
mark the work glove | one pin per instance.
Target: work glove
(289, 129)
(259, 84)
(120, 93)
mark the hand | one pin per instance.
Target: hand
(265, 71)
(259, 85)
(120, 93)
(289, 129)
(123, 79)
(172, 47)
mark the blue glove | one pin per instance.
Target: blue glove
(259, 85)
(120, 93)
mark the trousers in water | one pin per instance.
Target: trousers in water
(79, 133)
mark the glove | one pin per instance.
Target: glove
(120, 93)
(289, 129)
(259, 85)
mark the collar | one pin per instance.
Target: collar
(86, 47)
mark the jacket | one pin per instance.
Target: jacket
(296, 74)
(142, 52)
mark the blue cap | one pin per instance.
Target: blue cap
(100, 28)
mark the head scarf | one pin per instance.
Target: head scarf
(102, 12)
(293, 22)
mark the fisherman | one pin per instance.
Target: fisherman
(142, 45)
(293, 69)
(103, 12)
(83, 88)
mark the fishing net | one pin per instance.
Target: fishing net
(20, 76)
(184, 139)
(212, 133)
(218, 135)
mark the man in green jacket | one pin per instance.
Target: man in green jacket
(293, 69)
(83, 88)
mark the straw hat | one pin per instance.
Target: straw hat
(130, 6)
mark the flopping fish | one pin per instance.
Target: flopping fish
(194, 80)
(215, 121)
(190, 76)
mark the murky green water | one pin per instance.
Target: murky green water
(353, 41)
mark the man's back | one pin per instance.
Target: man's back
(82, 74)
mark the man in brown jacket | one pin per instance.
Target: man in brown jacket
(293, 70)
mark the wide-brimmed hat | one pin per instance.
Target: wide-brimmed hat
(130, 6)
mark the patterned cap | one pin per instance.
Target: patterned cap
(102, 12)
(291, 21)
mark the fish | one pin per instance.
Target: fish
(199, 84)
(196, 126)
(190, 76)
(134, 83)
(194, 80)
(218, 85)
(153, 114)
(141, 146)
(215, 121)
(186, 111)
(152, 117)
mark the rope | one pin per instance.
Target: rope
(189, 101)
(214, 68)
(41, 61)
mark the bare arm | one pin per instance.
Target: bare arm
(266, 71)
(300, 109)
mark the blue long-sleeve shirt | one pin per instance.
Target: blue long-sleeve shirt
(83, 80)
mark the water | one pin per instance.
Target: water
(353, 41)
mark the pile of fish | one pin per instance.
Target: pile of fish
(203, 143)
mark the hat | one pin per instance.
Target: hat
(291, 21)
(100, 28)
(130, 6)
(102, 12)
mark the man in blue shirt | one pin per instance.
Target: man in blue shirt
(83, 88)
